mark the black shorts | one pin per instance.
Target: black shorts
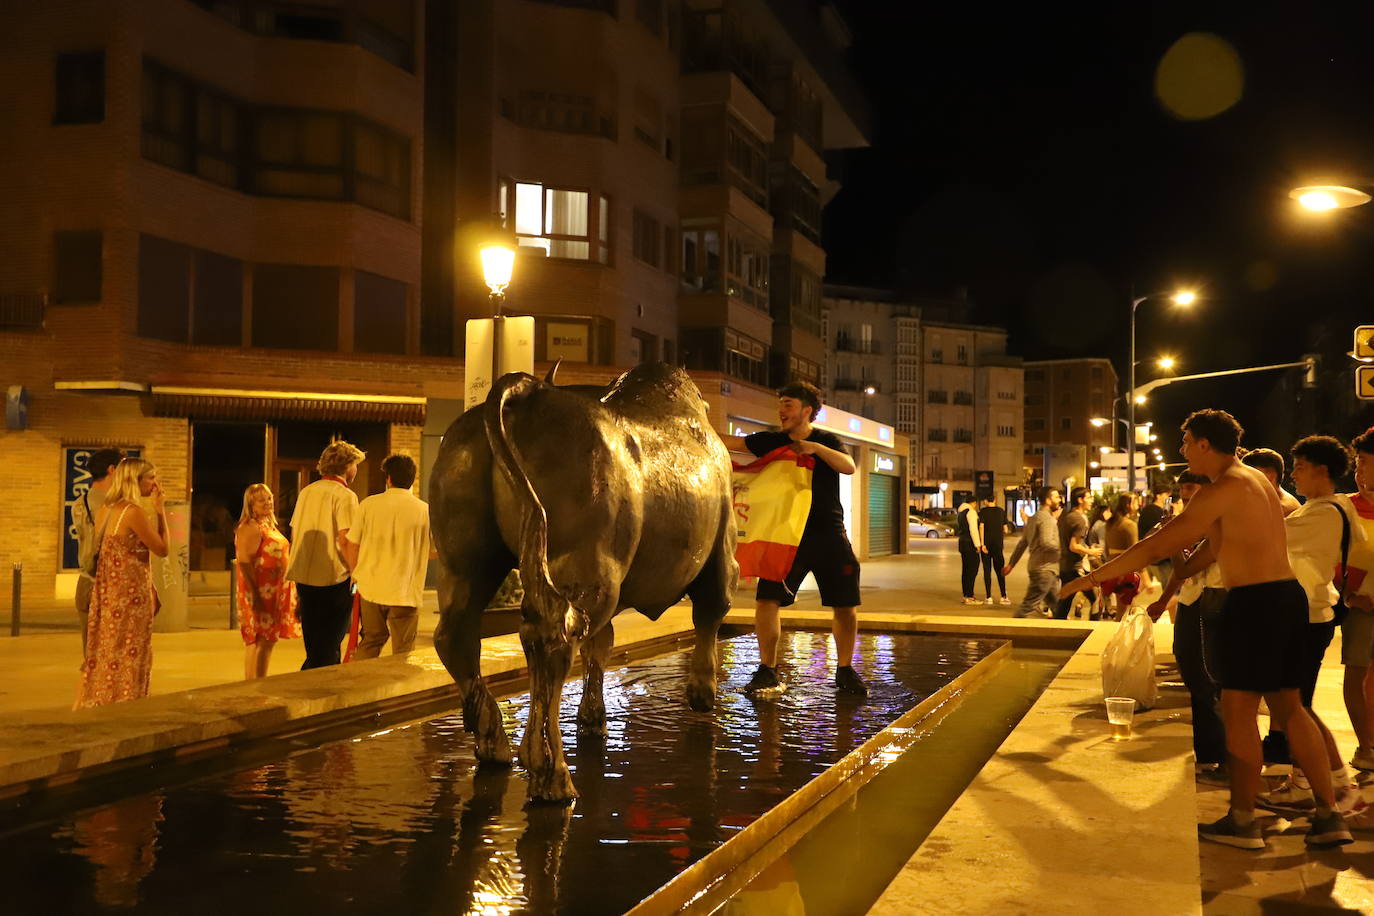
(1317, 638)
(831, 560)
(1262, 637)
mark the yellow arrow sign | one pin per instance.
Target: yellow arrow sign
(1364, 383)
(1364, 341)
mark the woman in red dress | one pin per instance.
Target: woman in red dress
(266, 598)
(119, 632)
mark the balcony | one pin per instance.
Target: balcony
(22, 311)
(963, 397)
(935, 471)
(962, 474)
(963, 435)
(937, 435)
(857, 384)
(937, 397)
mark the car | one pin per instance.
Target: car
(920, 526)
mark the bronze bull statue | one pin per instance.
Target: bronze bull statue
(605, 498)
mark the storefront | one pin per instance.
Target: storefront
(872, 496)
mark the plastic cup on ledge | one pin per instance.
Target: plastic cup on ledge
(1120, 714)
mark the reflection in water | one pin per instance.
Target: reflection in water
(404, 820)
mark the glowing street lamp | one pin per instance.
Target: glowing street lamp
(1323, 197)
(1166, 363)
(1182, 298)
(498, 262)
(870, 390)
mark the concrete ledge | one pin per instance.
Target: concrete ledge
(48, 748)
(1064, 820)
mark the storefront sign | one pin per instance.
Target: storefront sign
(982, 484)
(567, 341)
(76, 480)
(884, 463)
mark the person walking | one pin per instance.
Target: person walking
(324, 513)
(1260, 638)
(100, 466)
(992, 527)
(824, 550)
(266, 598)
(1073, 547)
(119, 638)
(970, 548)
(1118, 536)
(1357, 630)
(1041, 537)
(388, 550)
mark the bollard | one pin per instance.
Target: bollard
(18, 586)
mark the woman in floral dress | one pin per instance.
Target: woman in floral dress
(266, 598)
(119, 631)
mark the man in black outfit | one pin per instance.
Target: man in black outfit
(1152, 514)
(824, 550)
(992, 525)
(1074, 551)
(970, 548)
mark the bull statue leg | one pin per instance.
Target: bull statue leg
(549, 656)
(458, 642)
(591, 712)
(710, 592)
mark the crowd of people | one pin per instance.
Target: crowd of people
(378, 548)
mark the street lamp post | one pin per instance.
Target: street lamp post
(1181, 298)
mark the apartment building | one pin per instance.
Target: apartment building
(949, 386)
(1063, 397)
(237, 229)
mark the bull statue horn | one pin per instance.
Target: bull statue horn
(553, 370)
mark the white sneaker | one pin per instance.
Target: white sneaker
(1287, 797)
(972, 601)
(1350, 801)
(989, 601)
(1005, 600)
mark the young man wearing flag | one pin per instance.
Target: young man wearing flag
(824, 550)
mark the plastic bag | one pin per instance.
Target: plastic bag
(1128, 663)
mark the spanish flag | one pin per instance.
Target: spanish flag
(772, 497)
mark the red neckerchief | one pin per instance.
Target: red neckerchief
(338, 480)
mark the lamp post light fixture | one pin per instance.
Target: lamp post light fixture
(1166, 363)
(498, 262)
(1322, 197)
(869, 389)
(1182, 299)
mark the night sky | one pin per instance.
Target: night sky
(1024, 154)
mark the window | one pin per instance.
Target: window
(1006, 431)
(727, 351)
(381, 169)
(807, 305)
(648, 119)
(962, 355)
(564, 112)
(550, 220)
(217, 300)
(80, 97)
(217, 138)
(701, 260)
(76, 267)
(1035, 425)
(646, 238)
(603, 234)
(382, 27)
(703, 151)
(804, 369)
(1066, 422)
(300, 154)
(164, 289)
(379, 314)
(166, 98)
(296, 307)
(1035, 375)
(643, 348)
(747, 158)
(746, 270)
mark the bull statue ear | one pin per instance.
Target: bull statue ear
(553, 370)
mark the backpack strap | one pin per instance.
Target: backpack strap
(1345, 549)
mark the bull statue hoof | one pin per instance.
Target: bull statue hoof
(591, 716)
(552, 785)
(494, 748)
(701, 697)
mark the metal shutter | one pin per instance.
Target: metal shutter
(882, 497)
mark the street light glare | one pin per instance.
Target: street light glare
(1184, 297)
(1099, 422)
(1103, 450)
(1166, 362)
(870, 390)
(1140, 399)
(1094, 464)
(497, 263)
(1321, 198)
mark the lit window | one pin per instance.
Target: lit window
(554, 221)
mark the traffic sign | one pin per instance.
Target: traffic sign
(1364, 342)
(1364, 383)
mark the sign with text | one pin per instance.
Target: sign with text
(1364, 383)
(884, 464)
(982, 485)
(485, 360)
(76, 480)
(568, 341)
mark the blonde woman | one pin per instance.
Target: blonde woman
(119, 631)
(324, 513)
(266, 599)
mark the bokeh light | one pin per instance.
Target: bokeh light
(1199, 77)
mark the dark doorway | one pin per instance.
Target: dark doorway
(296, 450)
(225, 459)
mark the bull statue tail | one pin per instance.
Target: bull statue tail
(534, 521)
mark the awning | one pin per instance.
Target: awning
(266, 405)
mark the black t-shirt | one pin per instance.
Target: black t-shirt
(826, 518)
(1072, 524)
(994, 520)
(1150, 516)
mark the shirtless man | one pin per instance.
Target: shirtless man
(1260, 633)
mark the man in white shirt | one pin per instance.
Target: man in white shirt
(1315, 530)
(388, 549)
(323, 515)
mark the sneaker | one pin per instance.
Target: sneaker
(1287, 797)
(972, 601)
(1275, 746)
(1229, 832)
(847, 680)
(765, 678)
(1350, 801)
(1212, 774)
(1328, 830)
(1005, 601)
(1363, 759)
(989, 601)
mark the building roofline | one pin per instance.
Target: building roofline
(1071, 361)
